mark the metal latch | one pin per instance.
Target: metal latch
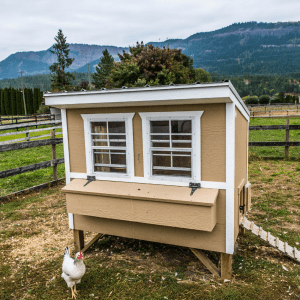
(242, 208)
(194, 186)
(90, 179)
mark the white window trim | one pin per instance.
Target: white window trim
(127, 117)
(196, 142)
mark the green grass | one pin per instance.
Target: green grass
(24, 157)
(274, 136)
(120, 268)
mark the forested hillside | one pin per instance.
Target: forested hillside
(244, 84)
(245, 48)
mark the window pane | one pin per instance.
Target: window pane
(172, 173)
(181, 161)
(110, 169)
(184, 126)
(100, 143)
(161, 160)
(159, 126)
(101, 158)
(181, 145)
(118, 158)
(99, 127)
(160, 137)
(116, 127)
(161, 145)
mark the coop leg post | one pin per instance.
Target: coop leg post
(226, 266)
(78, 239)
(242, 231)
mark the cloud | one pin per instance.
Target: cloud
(31, 25)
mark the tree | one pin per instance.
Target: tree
(146, 64)
(202, 75)
(60, 78)
(103, 69)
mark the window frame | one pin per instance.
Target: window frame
(112, 117)
(195, 117)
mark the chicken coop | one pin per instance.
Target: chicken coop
(166, 164)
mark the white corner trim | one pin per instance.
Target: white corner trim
(239, 106)
(71, 221)
(66, 144)
(127, 117)
(230, 176)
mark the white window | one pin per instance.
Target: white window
(109, 144)
(171, 145)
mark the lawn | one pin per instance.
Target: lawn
(18, 158)
(274, 136)
(34, 232)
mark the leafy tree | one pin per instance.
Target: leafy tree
(281, 97)
(146, 64)
(202, 75)
(60, 78)
(264, 99)
(103, 69)
(20, 103)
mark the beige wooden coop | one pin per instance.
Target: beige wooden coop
(166, 164)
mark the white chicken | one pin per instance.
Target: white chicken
(72, 270)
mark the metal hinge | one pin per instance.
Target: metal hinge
(194, 186)
(90, 179)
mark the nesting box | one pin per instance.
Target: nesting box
(165, 164)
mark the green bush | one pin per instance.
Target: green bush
(251, 100)
(264, 99)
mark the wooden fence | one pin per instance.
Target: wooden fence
(285, 143)
(15, 144)
(4, 120)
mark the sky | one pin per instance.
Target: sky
(31, 25)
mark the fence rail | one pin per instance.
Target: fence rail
(14, 145)
(287, 127)
(16, 119)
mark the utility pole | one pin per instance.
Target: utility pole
(23, 93)
(89, 75)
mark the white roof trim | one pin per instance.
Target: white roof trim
(136, 96)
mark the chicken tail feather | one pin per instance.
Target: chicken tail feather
(67, 251)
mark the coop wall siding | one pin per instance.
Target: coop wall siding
(213, 137)
(241, 162)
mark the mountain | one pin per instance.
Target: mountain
(241, 48)
(244, 48)
(32, 63)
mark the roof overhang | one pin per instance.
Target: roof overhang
(207, 93)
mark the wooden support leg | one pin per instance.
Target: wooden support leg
(226, 266)
(207, 262)
(92, 241)
(242, 230)
(78, 239)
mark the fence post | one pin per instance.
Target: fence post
(52, 133)
(287, 138)
(27, 134)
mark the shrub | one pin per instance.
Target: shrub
(251, 100)
(264, 99)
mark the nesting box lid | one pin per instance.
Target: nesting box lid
(141, 191)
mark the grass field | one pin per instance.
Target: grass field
(17, 158)
(34, 232)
